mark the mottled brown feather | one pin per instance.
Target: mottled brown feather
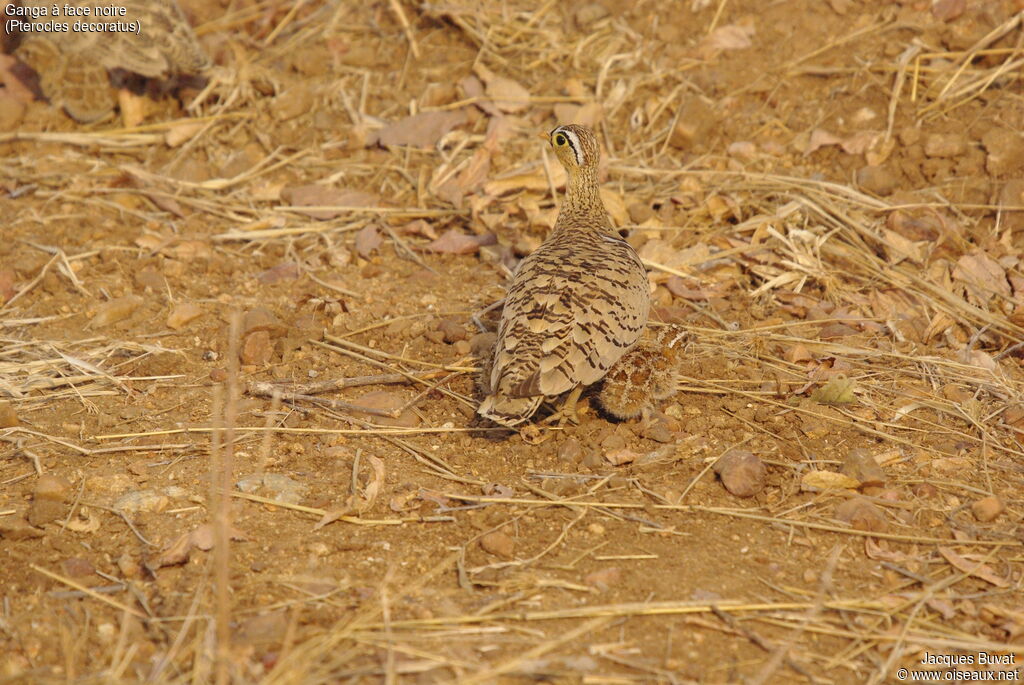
(576, 304)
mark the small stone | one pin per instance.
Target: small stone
(16, 528)
(43, 511)
(80, 569)
(658, 431)
(877, 179)
(182, 314)
(8, 417)
(618, 457)
(482, 344)
(387, 401)
(925, 490)
(987, 509)
(570, 451)
(945, 145)
(462, 348)
(262, 319)
(499, 544)
(218, 375)
(861, 466)
(1005, 150)
(639, 212)
(142, 501)
(152, 279)
(741, 472)
(256, 349)
(862, 515)
(51, 487)
(453, 330)
(596, 529)
(115, 310)
(293, 102)
(129, 566)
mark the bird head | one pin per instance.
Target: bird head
(575, 146)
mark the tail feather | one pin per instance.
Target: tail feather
(509, 411)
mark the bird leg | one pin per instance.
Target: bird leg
(567, 412)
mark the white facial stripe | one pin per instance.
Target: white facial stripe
(574, 143)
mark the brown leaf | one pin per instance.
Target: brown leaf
(421, 130)
(367, 240)
(508, 95)
(973, 568)
(333, 199)
(982, 275)
(454, 241)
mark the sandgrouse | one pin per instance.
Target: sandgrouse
(647, 373)
(576, 304)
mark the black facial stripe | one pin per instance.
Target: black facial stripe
(572, 140)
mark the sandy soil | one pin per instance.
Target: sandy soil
(829, 195)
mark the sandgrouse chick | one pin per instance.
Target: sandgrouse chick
(73, 67)
(576, 304)
(644, 375)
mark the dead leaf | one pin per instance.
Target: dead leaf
(982, 275)
(729, 37)
(454, 241)
(422, 130)
(534, 180)
(367, 240)
(507, 95)
(839, 390)
(814, 481)
(202, 538)
(973, 568)
(331, 199)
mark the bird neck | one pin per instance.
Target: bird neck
(582, 208)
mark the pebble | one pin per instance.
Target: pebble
(945, 145)
(256, 349)
(877, 179)
(115, 310)
(1005, 150)
(499, 544)
(742, 473)
(182, 314)
(453, 330)
(462, 348)
(987, 509)
(51, 487)
(139, 501)
(570, 451)
(262, 319)
(862, 515)
(294, 102)
(860, 465)
(605, 579)
(387, 401)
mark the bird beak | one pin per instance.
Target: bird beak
(544, 136)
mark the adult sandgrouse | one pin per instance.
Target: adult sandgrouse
(576, 304)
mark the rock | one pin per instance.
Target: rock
(945, 145)
(1005, 150)
(182, 314)
(877, 179)
(482, 344)
(741, 472)
(109, 484)
(8, 417)
(987, 509)
(862, 515)
(861, 466)
(570, 451)
(293, 102)
(262, 319)
(256, 349)
(115, 310)
(925, 490)
(499, 544)
(462, 348)
(51, 487)
(16, 528)
(139, 501)
(453, 330)
(43, 511)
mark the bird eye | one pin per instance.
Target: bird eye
(559, 139)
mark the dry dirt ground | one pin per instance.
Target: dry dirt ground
(828, 196)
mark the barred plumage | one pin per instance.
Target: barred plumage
(647, 373)
(576, 304)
